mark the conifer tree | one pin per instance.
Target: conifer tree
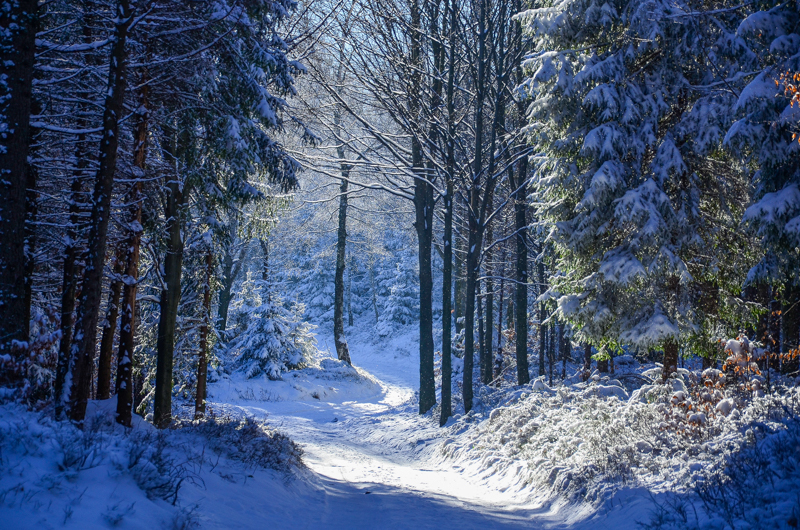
(630, 182)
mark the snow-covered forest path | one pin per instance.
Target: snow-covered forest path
(374, 460)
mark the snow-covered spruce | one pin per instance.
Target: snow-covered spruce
(628, 132)
(401, 305)
(274, 339)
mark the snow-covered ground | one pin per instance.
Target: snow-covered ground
(373, 456)
(530, 457)
(378, 464)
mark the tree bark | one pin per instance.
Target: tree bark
(670, 360)
(447, 281)
(447, 272)
(83, 347)
(202, 361)
(374, 290)
(110, 327)
(460, 284)
(564, 348)
(488, 339)
(72, 277)
(342, 351)
(18, 26)
(519, 195)
(350, 293)
(551, 351)
(587, 362)
(31, 211)
(127, 326)
(230, 271)
(542, 316)
(475, 222)
(264, 243)
(480, 304)
(170, 299)
(423, 209)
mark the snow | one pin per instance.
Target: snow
(578, 455)
(762, 87)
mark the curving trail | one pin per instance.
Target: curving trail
(372, 462)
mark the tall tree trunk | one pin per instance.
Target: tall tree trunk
(18, 25)
(423, 209)
(110, 327)
(670, 360)
(264, 243)
(521, 273)
(230, 271)
(519, 194)
(170, 299)
(542, 316)
(564, 348)
(374, 290)
(350, 292)
(488, 338)
(480, 304)
(31, 211)
(202, 361)
(475, 222)
(83, 347)
(447, 272)
(447, 296)
(498, 354)
(127, 326)
(342, 351)
(460, 284)
(551, 351)
(72, 275)
(424, 222)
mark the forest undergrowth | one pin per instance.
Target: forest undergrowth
(711, 455)
(41, 459)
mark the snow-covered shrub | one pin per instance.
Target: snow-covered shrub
(754, 486)
(33, 363)
(248, 441)
(275, 340)
(156, 471)
(584, 442)
(45, 458)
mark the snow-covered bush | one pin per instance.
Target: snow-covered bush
(753, 487)
(35, 370)
(44, 462)
(276, 339)
(249, 441)
(587, 440)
